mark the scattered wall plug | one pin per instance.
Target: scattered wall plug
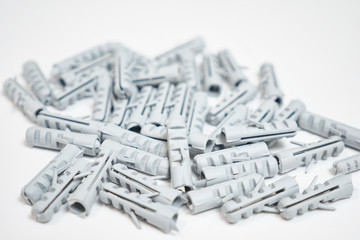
(80, 59)
(213, 75)
(117, 115)
(214, 196)
(316, 197)
(139, 160)
(138, 109)
(198, 142)
(138, 206)
(241, 95)
(153, 131)
(265, 112)
(231, 155)
(189, 71)
(123, 87)
(59, 191)
(62, 99)
(269, 85)
(347, 165)
(102, 103)
(265, 166)
(309, 154)
(180, 101)
(138, 182)
(326, 127)
(238, 115)
(241, 134)
(194, 46)
(169, 73)
(57, 139)
(261, 199)
(84, 196)
(30, 106)
(40, 184)
(234, 72)
(159, 104)
(73, 77)
(292, 111)
(62, 122)
(135, 140)
(179, 156)
(37, 81)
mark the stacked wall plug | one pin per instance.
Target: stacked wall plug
(155, 146)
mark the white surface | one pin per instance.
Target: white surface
(313, 44)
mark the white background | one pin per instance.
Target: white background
(314, 45)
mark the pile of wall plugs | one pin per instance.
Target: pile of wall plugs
(147, 127)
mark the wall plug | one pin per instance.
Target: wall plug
(309, 154)
(207, 198)
(265, 166)
(316, 197)
(261, 199)
(137, 182)
(140, 207)
(241, 134)
(231, 155)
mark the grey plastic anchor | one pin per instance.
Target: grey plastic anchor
(180, 101)
(138, 109)
(57, 139)
(160, 75)
(41, 183)
(231, 155)
(194, 46)
(238, 115)
(207, 198)
(74, 76)
(135, 140)
(292, 111)
(153, 131)
(213, 75)
(63, 122)
(123, 86)
(179, 156)
(265, 112)
(309, 154)
(198, 141)
(269, 85)
(261, 199)
(80, 59)
(316, 197)
(241, 134)
(63, 98)
(81, 201)
(241, 95)
(347, 165)
(117, 116)
(139, 206)
(326, 127)
(139, 160)
(159, 104)
(138, 182)
(37, 81)
(59, 191)
(30, 106)
(102, 101)
(189, 71)
(265, 166)
(234, 72)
